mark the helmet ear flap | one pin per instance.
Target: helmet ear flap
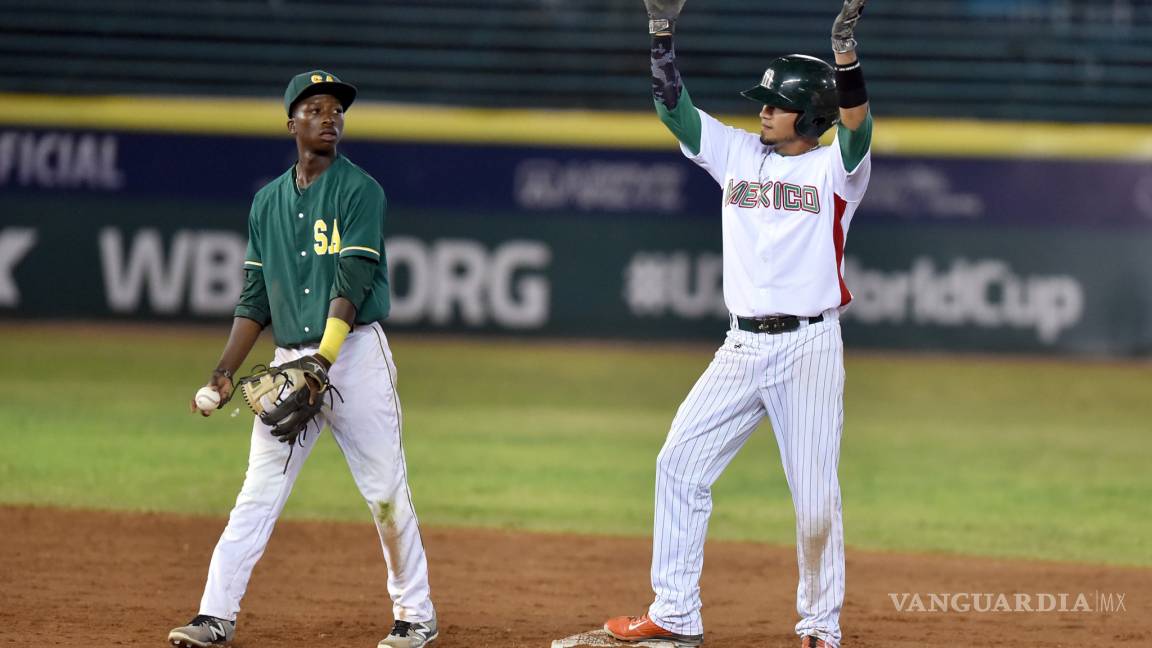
(804, 124)
(809, 125)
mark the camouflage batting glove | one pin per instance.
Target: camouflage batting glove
(843, 39)
(662, 15)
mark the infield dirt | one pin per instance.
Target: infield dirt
(74, 577)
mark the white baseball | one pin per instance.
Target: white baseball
(207, 399)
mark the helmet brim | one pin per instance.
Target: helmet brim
(766, 97)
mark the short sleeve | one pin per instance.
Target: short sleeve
(718, 142)
(851, 161)
(362, 224)
(253, 259)
(253, 303)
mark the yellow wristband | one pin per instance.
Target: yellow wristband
(335, 330)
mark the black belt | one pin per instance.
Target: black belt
(774, 323)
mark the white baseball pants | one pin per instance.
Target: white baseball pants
(366, 426)
(797, 379)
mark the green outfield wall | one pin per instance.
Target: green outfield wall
(930, 287)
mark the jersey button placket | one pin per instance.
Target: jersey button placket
(304, 256)
(303, 227)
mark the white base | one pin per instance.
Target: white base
(598, 638)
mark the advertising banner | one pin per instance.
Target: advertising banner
(570, 181)
(964, 254)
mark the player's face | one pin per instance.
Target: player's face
(318, 122)
(777, 125)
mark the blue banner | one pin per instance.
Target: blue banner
(580, 182)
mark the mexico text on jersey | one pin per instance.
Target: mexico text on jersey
(785, 219)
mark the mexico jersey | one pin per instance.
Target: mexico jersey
(785, 221)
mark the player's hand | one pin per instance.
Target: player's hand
(314, 386)
(662, 15)
(221, 381)
(843, 37)
(322, 360)
(195, 409)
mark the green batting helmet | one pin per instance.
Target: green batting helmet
(804, 84)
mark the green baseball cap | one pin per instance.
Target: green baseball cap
(318, 82)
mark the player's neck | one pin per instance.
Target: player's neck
(311, 165)
(798, 146)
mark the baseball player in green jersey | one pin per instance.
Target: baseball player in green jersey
(315, 270)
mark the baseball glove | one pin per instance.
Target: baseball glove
(287, 397)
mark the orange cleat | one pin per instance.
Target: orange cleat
(641, 628)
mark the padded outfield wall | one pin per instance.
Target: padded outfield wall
(973, 236)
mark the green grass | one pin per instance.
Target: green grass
(1012, 458)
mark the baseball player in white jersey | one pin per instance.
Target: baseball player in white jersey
(786, 207)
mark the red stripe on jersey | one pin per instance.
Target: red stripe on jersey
(838, 241)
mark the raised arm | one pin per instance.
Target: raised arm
(672, 101)
(849, 77)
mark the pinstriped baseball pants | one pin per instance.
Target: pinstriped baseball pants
(797, 380)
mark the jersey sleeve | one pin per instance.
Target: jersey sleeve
(718, 143)
(253, 303)
(362, 225)
(852, 160)
(683, 121)
(354, 275)
(252, 257)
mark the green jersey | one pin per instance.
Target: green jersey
(295, 239)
